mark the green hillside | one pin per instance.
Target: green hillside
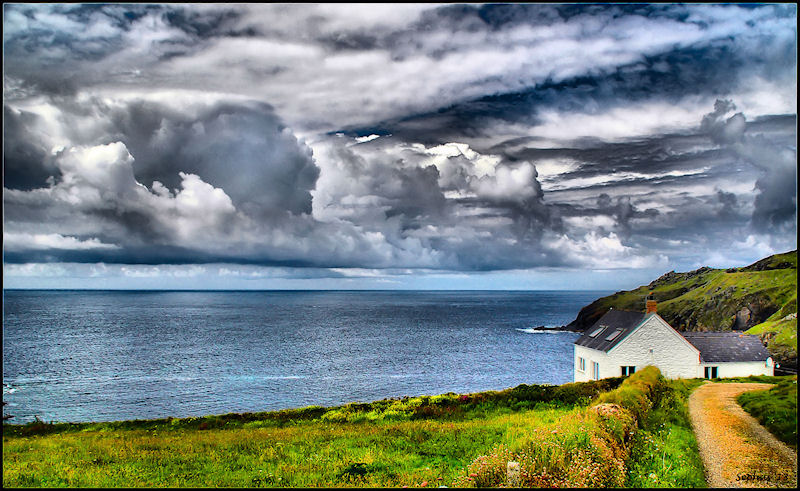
(758, 299)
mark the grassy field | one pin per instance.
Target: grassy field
(776, 409)
(411, 441)
(307, 454)
(632, 432)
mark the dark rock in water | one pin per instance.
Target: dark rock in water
(554, 328)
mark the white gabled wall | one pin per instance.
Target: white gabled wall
(655, 343)
(590, 356)
(740, 368)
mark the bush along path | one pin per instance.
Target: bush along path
(586, 448)
(736, 450)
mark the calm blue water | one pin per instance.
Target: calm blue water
(105, 356)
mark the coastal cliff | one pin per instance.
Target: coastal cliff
(757, 299)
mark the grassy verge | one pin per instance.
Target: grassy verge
(775, 408)
(763, 379)
(396, 442)
(664, 452)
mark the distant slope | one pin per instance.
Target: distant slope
(759, 299)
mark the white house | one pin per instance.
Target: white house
(620, 342)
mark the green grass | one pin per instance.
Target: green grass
(762, 379)
(664, 453)
(632, 432)
(306, 454)
(636, 435)
(775, 408)
(393, 442)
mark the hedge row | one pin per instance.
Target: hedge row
(588, 448)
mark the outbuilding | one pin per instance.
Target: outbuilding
(621, 342)
(730, 354)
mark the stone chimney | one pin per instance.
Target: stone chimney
(650, 304)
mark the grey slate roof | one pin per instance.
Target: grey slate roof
(612, 321)
(727, 346)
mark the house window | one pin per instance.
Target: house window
(711, 372)
(613, 335)
(595, 370)
(581, 364)
(628, 371)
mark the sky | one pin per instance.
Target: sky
(407, 146)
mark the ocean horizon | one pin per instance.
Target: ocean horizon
(106, 355)
(417, 290)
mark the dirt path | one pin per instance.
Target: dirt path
(736, 450)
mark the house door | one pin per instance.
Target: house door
(711, 372)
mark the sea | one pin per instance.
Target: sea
(79, 356)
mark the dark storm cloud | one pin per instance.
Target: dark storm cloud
(638, 183)
(668, 76)
(472, 137)
(400, 193)
(26, 161)
(728, 206)
(654, 156)
(154, 254)
(245, 150)
(141, 175)
(776, 201)
(56, 49)
(206, 24)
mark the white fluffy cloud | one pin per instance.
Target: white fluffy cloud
(596, 251)
(25, 241)
(102, 178)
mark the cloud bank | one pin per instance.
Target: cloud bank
(430, 137)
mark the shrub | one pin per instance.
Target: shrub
(584, 392)
(588, 448)
(578, 451)
(638, 393)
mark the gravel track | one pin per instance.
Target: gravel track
(737, 451)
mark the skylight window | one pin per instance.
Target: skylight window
(614, 335)
(597, 331)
